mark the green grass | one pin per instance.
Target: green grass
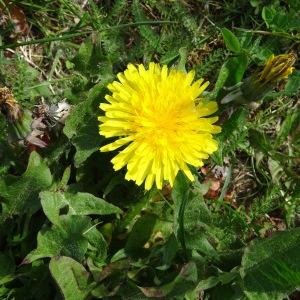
(72, 228)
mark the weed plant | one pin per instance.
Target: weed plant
(72, 228)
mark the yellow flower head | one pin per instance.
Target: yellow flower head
(277, 68)
(160, 116)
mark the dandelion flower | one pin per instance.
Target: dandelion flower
(161, 123)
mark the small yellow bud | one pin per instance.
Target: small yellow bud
(259, 84)
(277, 68)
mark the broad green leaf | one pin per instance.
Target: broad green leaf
(183, 282)
(74, 204)
(231, 41)
(38, 283)
(98, 243)
(222, 78)
(121, 254)
(264, 296)
(20, 193)
(281, 20)
(208, 283)
(54, 153)
(170, 250)
(231, 73)
(237, 67)
(87, 141)
(226, 291)
(65, 178)
(82, 125)
(140, 234)
(221, 285)
(268, 14)
(71, 278)
(134, 210)
(66, 239)
(116, 276)
(7, 155)
(192, 219)
(220, 278)
(272, 265)
(7, 269)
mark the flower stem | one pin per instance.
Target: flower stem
(181, 226)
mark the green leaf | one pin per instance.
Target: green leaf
(264, 296)
(275, 169)
(170, 250)
(279, 19)
(272, 265)
(293, 84)
(183, 282)
(87, 141)
(220, 279)
(182, 59)
(90, 60)
(82, 60)
(140, 234)
(97, 240)
(231, 73)
(75, 204)
(234, 123)
(230, 129)
(268, 14)
(82, 125)
(192, 222)
(65, 239)
(7, 268)
(288, 124)
(71, 278)
(134, 210)
(222, 78)
(231, 41)
(20, 193)
(259, 141)
(226, 291)
(65, 178)
(7, 155)
(237, 67)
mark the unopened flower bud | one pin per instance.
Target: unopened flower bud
(255, 87)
